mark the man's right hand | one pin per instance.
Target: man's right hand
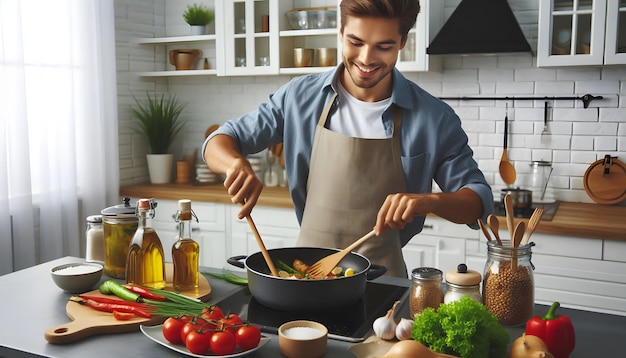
(243, 185)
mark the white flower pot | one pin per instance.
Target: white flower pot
(160, 168)
(198, 30)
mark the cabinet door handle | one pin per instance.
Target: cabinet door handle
(429, 226)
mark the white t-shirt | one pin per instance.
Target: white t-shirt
(355, 118)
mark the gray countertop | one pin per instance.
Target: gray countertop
(32, 303)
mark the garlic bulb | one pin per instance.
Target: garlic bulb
(385, 326)
(404, 329)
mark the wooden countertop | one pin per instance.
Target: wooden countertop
(571, 219)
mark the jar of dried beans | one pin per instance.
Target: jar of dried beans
(508, 283)
(426, 289)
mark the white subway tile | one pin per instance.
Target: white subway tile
(495, 75)
(583, 157)
(578, 74)
(460, 88)
(563, 88)
(590, 129)
(597, 87)
(575, 114)
(613, 115)
(535, 74)
(605, 143)
(514, 88)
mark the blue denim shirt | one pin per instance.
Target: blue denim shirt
(434, 146)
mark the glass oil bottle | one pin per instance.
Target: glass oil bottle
(185, 251)
(145, 263)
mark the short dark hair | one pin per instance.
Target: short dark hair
(404, 10)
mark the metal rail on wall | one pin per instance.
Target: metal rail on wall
(586, 98)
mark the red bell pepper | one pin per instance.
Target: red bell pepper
(556, 331)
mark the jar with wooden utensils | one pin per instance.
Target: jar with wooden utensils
(508, 282)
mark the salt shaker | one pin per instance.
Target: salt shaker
(94, 239)
(462, 282)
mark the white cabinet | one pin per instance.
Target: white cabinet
(581, 32)
(254, 37)
(441, 244)
(615, 45)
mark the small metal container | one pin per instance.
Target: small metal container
(521, 198)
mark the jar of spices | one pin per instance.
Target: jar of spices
(426, 289)
(462, 282)
(508, 283)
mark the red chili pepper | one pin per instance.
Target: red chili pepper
(556, 331)
(101, 299)
(110, 307)
(144, 292)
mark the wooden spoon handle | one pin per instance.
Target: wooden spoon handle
(510, 215)
(259, 241)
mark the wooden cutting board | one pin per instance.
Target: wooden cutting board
(86, 321)
(605, 181)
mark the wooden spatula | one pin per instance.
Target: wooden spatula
(325, 265)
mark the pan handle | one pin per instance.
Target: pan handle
(375, 271)
(236, 261)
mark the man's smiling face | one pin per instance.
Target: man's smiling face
(370, 48)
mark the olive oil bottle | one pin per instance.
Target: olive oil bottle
(185, 251)
(145, 263)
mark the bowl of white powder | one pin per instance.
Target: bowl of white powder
(77, 277)
(302, 339)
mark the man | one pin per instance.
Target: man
(362, 145)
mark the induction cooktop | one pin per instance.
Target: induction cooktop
(352, 323)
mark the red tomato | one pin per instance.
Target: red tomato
(248, 337)
(122, 316)
(212, 313)
(199, 342)
(172, 328)
(223, 342)
(193, 325)
(230, 323)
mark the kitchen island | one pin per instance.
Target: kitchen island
(32, 303)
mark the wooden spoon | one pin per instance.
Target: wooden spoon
(515, 240)
(534, 220)
(510, 214)
(494, 225)
(507, 170)
(484, 229)
(259, 241)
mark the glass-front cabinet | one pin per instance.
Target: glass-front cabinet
(615, 45)
(249, 45)
(581, 32)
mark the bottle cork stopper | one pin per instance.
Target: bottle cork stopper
(143, 204)
(184, 205)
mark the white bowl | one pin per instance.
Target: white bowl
(302, 339)
(77, 277)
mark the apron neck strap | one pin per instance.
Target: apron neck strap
(332, 103)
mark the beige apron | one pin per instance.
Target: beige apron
(349, 179)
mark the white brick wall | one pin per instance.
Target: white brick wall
(578, 136)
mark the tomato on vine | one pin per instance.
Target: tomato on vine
(199, 342)
(248, 337)
(223, 342)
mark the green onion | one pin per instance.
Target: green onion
(228, 277)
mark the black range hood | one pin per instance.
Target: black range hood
(480, 27)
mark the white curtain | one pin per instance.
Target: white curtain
(58, 125)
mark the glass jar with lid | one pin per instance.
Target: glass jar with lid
(508, 282)
(425, 290)
(462, 282)
(119, 224)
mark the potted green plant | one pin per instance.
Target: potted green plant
(159, 123)
(198, 16)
